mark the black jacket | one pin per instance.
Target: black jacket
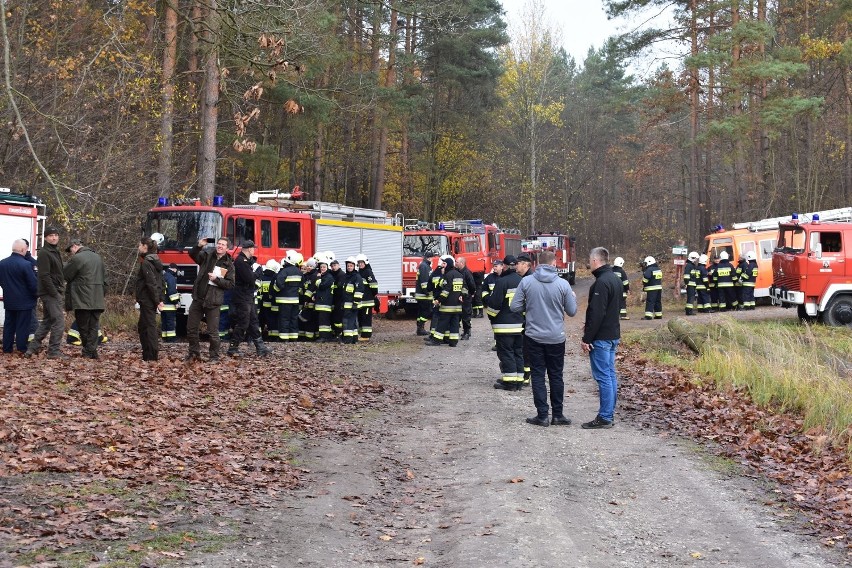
(504, 320)
(602, 314)
(469, 284)
(51, 281)
(149, 281)
(244, 279)
(203, 291)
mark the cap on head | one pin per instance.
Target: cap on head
(510, 260)
(73, 243)
(524, 258)
(52, 231)
(173, 266)
(248, 244)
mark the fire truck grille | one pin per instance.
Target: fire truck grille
(186, 275)
(786, 282)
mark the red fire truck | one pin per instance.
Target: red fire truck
(563, 246)
(21, 217)
(478, 242)
(811, 267)
(276, 223)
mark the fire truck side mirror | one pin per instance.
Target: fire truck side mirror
(456, 247)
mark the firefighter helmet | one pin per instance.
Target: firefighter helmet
(361, 257)
(649, 260)
(329, 255)
(618, 261)
(351, 260)
(158, 239)
(702, 259)
(693, 256)
(272, 265)
(750, 255)
(292, 257)
(723, 255)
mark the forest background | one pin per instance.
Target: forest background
(430, 108)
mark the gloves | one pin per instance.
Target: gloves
(377, 305)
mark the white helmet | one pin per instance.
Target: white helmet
(351, 260)
(158, 239)
(693, 256)
(649, 260)
(329, 255)
(618, 261)
(272, 265)
(702, 259)
(361, 257)
(311, 262)
(723, 255)
(292, 257)
(750, 255)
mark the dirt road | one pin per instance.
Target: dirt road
(456, 478)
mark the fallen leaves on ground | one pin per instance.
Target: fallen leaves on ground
(811, 475)
(81, 439)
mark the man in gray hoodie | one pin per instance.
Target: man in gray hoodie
(545, 298)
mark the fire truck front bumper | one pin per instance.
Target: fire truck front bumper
(783, 296)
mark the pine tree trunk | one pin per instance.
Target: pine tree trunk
(210, 115)
(164, 169)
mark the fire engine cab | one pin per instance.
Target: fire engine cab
(479, 243)
(21, 217)
(811, 266)
(563, 246)
(277, 222)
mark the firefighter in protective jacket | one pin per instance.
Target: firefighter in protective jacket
(449, 301)
(652, 285)
(422, 294)
(171, 300)
(618, 269)
(508, 327)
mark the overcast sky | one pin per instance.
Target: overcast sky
(584, 24)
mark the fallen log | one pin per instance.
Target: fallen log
(686, 333)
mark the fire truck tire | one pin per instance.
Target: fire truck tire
(839, 312)
(572, 278)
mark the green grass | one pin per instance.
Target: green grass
(785, 366)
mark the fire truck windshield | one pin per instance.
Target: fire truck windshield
(183, 229)
(419, 245)
(791, 239)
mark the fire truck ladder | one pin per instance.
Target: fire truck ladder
(829, 215)
(322, 209)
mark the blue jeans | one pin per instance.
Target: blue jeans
(602, 359)
(547, 358)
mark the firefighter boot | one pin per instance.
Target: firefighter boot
(262, 349)
(421, 328)
(466, 335)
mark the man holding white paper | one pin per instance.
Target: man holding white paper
(215, 275)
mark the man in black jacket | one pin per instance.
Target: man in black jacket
(601, 334)
(244, 317)
(51, 290)
(215, 275)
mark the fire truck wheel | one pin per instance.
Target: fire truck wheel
(839, 312)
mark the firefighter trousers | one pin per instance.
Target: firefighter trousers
(424, 311)
(288, 322)
(447, 328)
(510, 352)
(365, 321)
(654, 304)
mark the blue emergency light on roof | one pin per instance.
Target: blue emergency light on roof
(218, 200)
(794, 217)
(162, 202)
(440, 226)
(815, 218)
